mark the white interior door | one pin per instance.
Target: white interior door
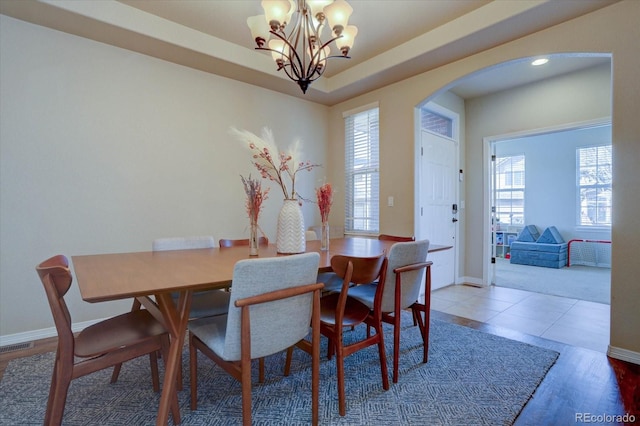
(439, 205)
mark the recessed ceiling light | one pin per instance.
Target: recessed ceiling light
(540, 61)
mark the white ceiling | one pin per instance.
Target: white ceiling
(396, 38)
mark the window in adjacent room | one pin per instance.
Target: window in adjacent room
(594, 185)
(362, 181)
(510, 189)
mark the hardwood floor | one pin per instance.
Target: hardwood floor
(581, 383)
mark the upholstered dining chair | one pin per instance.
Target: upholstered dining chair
(99, 346)
(339, 310)
(262, 241)
(399, 239)
(310, 235)
(273, 301)
(407, 264)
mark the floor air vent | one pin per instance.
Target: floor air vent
(16, 347)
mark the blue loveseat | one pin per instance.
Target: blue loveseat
(531, 248)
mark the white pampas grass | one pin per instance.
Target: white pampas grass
(270, 162)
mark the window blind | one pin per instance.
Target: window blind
(362, 177)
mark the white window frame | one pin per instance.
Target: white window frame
(362, 170)
(601, 181)
(509, 186)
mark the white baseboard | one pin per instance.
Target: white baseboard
(624, 354)
(471, 280)
(28, 336)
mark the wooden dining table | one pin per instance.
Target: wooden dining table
(152, 276)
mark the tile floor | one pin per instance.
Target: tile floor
(575, 322)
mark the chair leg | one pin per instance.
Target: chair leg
(245, 374)
(287, 363)
(424, 328)
(342, 409)
(52, 391)
(59, 396)
(193, 372)
(153, 360)
(425, 333)
(261, 370)
(383, 357)
(116, 373)
(396, 345)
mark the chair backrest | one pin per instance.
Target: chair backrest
(403, 254)
(365, 269)
(183, 243)
(275, 325)
(225, 242)
(396, 238)
(310, 235)
(356, 270)
(56, 279)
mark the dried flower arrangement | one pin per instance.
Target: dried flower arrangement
(255, 197)
(274, 168)
(325, 200)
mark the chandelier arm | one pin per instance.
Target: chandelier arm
(315, 59)
(316, 63)
(291, 48)
(300, 31)
(284, 65)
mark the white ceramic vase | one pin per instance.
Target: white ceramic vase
(290, 238)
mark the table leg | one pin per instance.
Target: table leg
(175, 320)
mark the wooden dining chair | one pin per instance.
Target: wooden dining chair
(396, 238)
(406, 267)
(225, 242)
(99, 346)
(272, 304)
(339, 311)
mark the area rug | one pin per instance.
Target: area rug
(472, 378)
(576, 282)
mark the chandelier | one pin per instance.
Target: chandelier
(301, 53)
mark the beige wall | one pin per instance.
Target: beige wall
(103, 150)
(580, 35)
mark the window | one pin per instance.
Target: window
(510, 190)
(436, 123)
(362, 181)
(594, 185)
